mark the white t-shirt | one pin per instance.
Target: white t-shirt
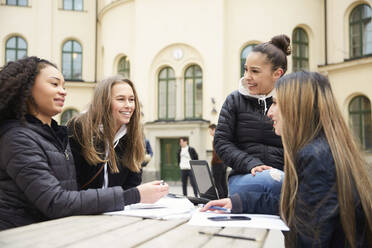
(185, 158)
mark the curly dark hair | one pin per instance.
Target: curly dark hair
(16, 81)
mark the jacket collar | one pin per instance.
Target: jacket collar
(243, 89)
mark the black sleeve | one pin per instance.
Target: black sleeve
(179, 156)
(133, 180)
(27, 164)
(193, 153)
(224, 139)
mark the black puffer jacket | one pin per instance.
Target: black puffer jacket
(85, 172)
(37, 177)
(245, 136)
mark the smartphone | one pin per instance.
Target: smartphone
(228, 218)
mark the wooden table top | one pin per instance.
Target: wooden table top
(106, 231)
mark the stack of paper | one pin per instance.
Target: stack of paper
(256, 221)
(165, 208)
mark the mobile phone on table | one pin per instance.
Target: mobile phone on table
(228, 218)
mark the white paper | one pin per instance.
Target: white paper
(257, 221)
(165, 208)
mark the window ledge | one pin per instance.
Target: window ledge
(347, 63)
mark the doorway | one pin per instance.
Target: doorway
(169, 168)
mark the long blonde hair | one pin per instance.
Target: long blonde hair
(308, 107)
(96, 127)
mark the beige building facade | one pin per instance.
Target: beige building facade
(185, 56)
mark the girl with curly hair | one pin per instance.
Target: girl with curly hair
(37, 173)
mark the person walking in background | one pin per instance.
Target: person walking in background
(184, 155)
(326, 196)
(37, 173)
(245, 138)
(149, 153)
(218, 168)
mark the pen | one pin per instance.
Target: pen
(219, 208)
(227, 236)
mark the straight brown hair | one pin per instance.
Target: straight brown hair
(308, 107)
(97, 126)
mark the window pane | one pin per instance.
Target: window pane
(66, 65)
(198, 98)
(367, 42)
(67, 4)
(123, 67)
(365, 104)
(78, 5)
(172, 99)
(243, 56)
(354, 104)
(67, 115)
(76, 47)
(22, 2)
(10, 55)
(21, 54)
(360, 120)
(368, 131)
(188, 73)
(11, 2)
(11, 43)
(67, 47)
(162, 99)
(189, 98)
(163, 74)
(77, 65)
(22, 43)
(170, 73)
(356, 14)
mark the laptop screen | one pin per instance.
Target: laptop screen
(204, 179)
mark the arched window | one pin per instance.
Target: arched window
(15, 48)
(67, 115)
(300, 49)
(124, 67)
(73, 5)
(72, 60)
(17, 2)
(193, 92)
(167, 94)
(360, 31)
(360, 120)
(243, 55)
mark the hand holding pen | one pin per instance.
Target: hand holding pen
(220, 206)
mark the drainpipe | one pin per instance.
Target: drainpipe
(96, 45)
(325, 34)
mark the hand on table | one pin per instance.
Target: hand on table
(152, 191)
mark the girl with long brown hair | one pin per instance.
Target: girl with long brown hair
(326, 195)
(107, 140)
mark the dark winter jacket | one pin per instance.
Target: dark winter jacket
(192, 152)
(85, 172)
(245, 136)
(316, 201)
(38, 180)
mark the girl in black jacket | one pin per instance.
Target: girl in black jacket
(244, 138)
(326, 197)
(113, 122)
(37, 174)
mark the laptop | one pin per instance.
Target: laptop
(204, 182)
